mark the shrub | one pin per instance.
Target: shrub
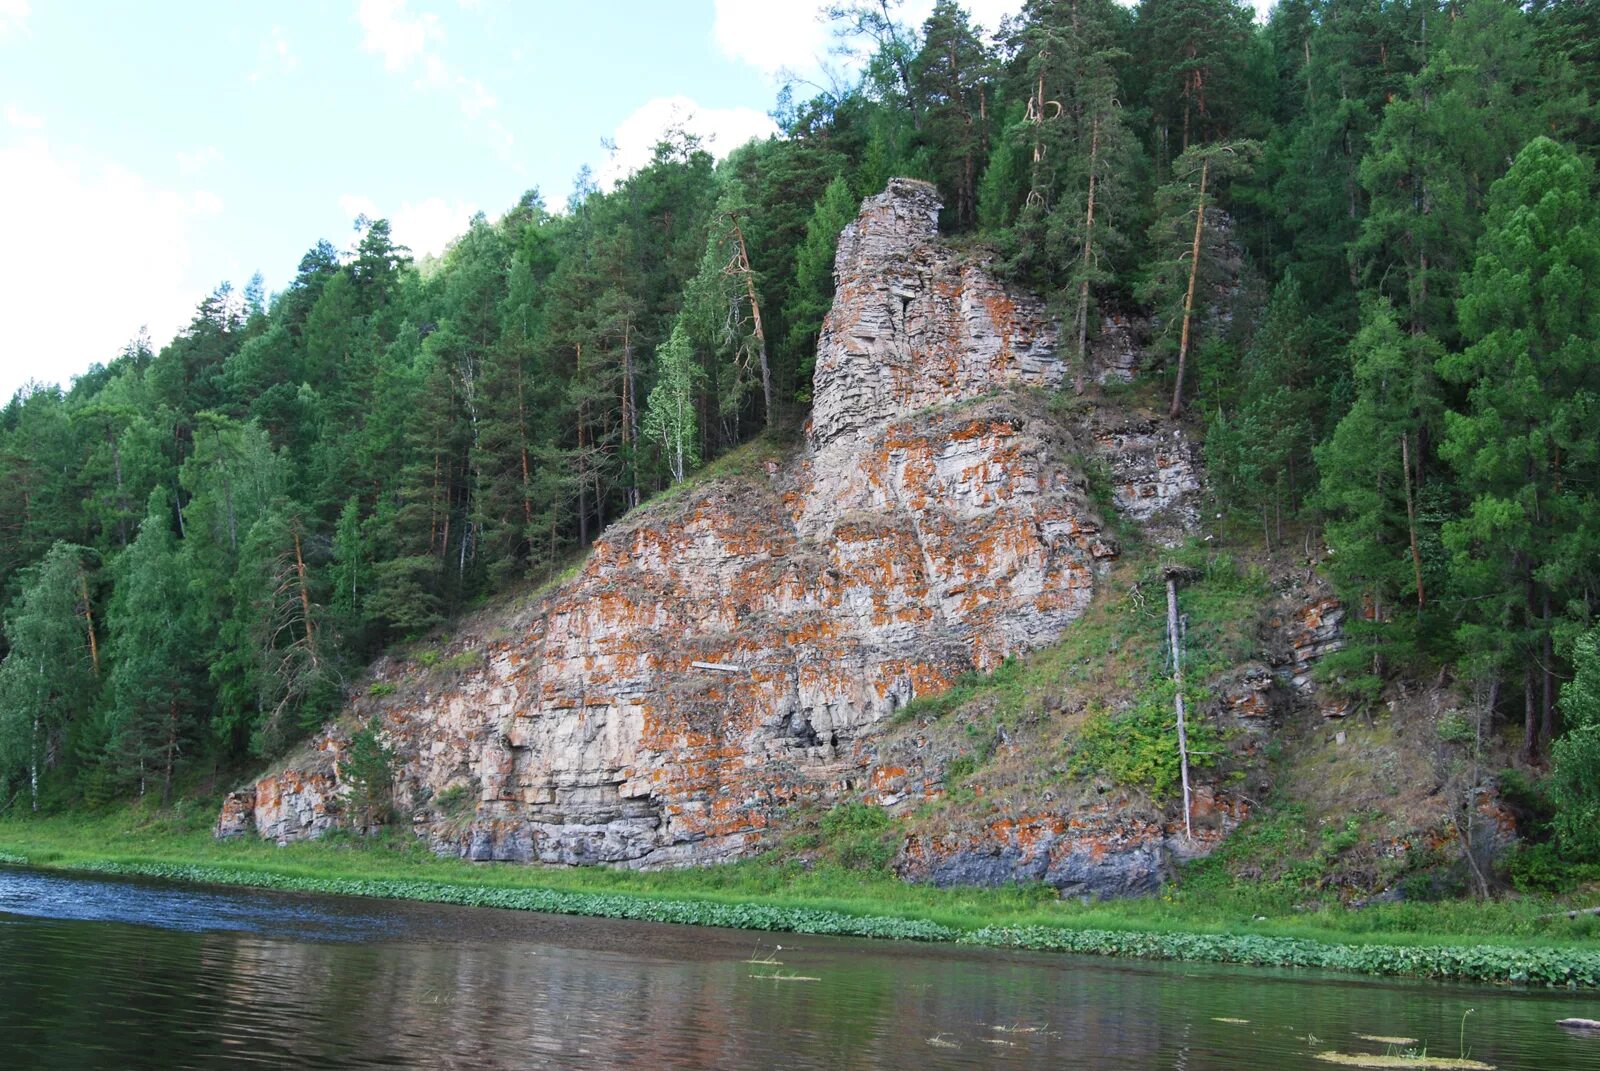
(1140, 747)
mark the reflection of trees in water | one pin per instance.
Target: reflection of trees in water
(93, 994)
(512, 1006)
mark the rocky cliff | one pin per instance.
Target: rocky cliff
(738, 648)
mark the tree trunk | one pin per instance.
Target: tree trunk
(171, 752)
(1188, 300)
(1530, 721)
(1411, 518)
(583, 461)
(305, 597)
(1080, 371)
(1547, 728)
(755, 314)
(1177, 698)
(123, 506)
(33, 763)
(88, 620)
(522, 449)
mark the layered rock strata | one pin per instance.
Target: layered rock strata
(729, 653)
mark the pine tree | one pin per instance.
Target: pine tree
(1186, 253)
(949, 77)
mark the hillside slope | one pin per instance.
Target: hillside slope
(745, 647)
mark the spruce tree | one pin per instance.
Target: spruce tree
(1526, 446)
(154, 685)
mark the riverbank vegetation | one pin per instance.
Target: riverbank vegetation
(1528, 941)
(1356, 246)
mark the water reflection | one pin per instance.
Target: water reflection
(142, 975)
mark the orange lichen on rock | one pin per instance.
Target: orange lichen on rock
(735, 651)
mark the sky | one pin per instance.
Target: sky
(150, 152)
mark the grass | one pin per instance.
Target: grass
(1498, 943)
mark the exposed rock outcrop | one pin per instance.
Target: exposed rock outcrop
(727, 654)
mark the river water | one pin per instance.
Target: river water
(138, 974)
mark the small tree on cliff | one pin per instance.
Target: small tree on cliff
(367, 770)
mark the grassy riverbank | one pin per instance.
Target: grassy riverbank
(1502, 942)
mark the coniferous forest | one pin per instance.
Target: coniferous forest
(1364, 234)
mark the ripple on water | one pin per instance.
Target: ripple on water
(111, 973)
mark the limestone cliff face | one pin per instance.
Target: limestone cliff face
(729, 652)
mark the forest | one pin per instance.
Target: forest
(1362, 234)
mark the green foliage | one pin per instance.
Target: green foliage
(857, 836)
(1139, 747)
(368, 770)
(1527, 437)
(1575, 779)
(1530, 966)
(1364, 489)
(670, 417)
(389, 444)
(813, 288)
(49, 678)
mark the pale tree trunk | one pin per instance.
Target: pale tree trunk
(305, 598)
(33, 764)
(88, 620)
(755, 314)
(1177, 696)
(171, 752)
(1080, 372)
(1188, 300)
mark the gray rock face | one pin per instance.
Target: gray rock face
(728, 654)
(913, 324)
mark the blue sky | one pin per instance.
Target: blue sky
(150, 151)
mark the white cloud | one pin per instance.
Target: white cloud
(780, 36)
(194, 161)
(13, 17)
(410, 44)
(392, 32)
(772, 35)
(793, 36)
(353, 205)
(425, 227)
(122, 243)
(275, 54)
(720, 130)
(22, 120)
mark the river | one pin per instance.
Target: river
(112, 973)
